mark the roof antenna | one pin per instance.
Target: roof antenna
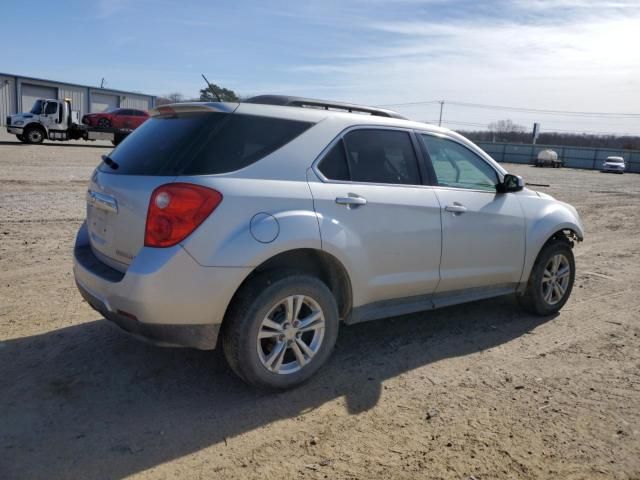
(211, 88)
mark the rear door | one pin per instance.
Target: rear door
(483, 232)
(376, 214)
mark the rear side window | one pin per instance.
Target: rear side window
(240, 140)
(201, 143)
(334, 164)
(381, 156)
(372, 156)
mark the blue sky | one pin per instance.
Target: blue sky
(558, 54)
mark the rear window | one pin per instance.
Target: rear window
(201, 143)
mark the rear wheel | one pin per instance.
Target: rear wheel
(33, 135)
(551, 279)
(280, 331)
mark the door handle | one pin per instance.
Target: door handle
(101, 201)
(456, 208)
(352, 200)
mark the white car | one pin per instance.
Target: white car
(613, 164)
(270, 223)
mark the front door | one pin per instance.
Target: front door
(483, 232)
(49, 116)
(376, 216)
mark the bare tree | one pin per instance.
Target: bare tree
(505, 126)
(174, 97)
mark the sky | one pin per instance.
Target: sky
(566, 55)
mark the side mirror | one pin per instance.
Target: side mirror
(510, 183)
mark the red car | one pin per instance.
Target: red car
(121, 118)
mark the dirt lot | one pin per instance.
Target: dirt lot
(481, 391)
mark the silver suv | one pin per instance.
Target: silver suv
(267, 224)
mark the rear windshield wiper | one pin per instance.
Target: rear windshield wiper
(110, 161)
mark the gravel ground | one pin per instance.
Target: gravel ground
(480, 391)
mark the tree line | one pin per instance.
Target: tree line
(509, 132)
(206, 95)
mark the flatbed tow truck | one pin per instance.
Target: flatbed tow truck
(55, 120)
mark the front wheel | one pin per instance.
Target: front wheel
(20, 137)
(34, 135)
(280, 331)
(551, 279)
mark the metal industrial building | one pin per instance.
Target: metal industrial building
(17, 94)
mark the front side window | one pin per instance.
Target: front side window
(381, 156)
(51, 108)
(457, 166)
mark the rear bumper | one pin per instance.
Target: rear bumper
(164, 296)
(203, 337)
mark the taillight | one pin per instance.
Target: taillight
(176, 210)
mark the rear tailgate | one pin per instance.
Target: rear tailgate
(121, 187)
(116, 215)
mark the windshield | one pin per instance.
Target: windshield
(37, 107)
(615, 160)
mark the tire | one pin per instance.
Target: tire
(20, 137)
(537, 298)
(264, 299)
(34, 135)
(104, 123)
(117, 139)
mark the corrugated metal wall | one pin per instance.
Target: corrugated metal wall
(139, 102)
(572, 157)
(78, 96)
(7, 98)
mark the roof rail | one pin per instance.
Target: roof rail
(286, 100)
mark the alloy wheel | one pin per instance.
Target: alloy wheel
(555, 279)
(291, 334)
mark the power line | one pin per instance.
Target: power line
(520, 109)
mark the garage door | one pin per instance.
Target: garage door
(101, 102)
(31, 92)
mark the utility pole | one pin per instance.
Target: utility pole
(440, 119)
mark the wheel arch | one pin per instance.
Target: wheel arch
(38, 126)
(568, 231)
(311, 261)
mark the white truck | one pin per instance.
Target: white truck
(55, 120)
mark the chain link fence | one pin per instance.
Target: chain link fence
(571, 157)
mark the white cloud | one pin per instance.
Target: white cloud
(586, 59)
